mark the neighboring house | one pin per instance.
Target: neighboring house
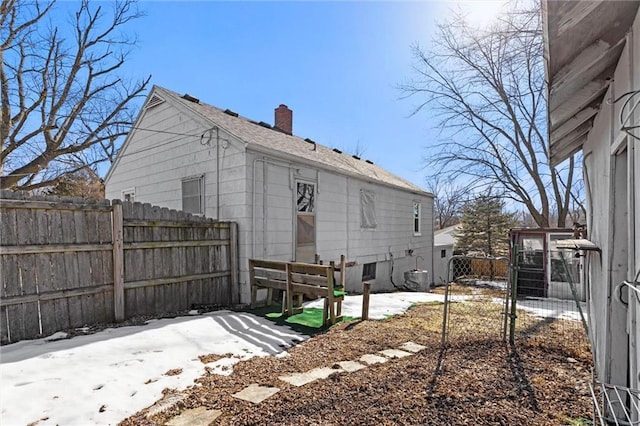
(292, 197)
(592, 54)
(444, 241)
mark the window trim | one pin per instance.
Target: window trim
(416, 220)
(199, 178)
(372, 274)
(129, 191)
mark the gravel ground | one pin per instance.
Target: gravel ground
(478, 380)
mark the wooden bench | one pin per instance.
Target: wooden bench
(297, 280)
(269, 274)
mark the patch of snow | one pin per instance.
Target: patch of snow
(382, 305)
(550, 308)
(59, 335)
(103, 378)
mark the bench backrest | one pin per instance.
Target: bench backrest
(268, 273)
(311, 279)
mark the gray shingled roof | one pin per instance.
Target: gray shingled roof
(258, 136)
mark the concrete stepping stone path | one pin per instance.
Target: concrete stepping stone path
(411, 347)
(301, 379)
(195, 417)
(351, 366)
(166, 403)
(394, 353)
(370, 359)
(256, 393)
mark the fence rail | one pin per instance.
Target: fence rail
(68, 262)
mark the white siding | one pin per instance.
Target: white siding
(441, 264)
(389, 244)
(154, 163)
(612, 179)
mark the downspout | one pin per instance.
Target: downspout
(632, 313)
(610, 248)
(217, 172)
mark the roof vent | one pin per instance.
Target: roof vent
(191, 98)
(263, 124)
(356, 157)
(309, 140)
(154, 101)
(337, 150)
(369, 161)
(231, 113)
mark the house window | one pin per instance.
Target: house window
(192, 195)
(306, 197)
(368, 209)
(369, 271)
(416, 218)
(129, 195)
(443, 253)
(305, 204)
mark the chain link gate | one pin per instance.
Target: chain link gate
(476, 286)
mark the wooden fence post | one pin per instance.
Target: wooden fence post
(234, 263)
(365, 300)
(118, 261)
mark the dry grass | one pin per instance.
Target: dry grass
(476, 380)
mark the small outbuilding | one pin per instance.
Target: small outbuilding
(444, 241)
(292, 197)
(543, 268)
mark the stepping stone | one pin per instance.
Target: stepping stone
(394, 353)
(165, 403)
(412, 347)
(373, 359)
(301, 379)
(351, 366)
(195, 417)
(255, 393)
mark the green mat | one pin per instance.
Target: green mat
(309, 317)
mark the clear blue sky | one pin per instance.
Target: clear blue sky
(337, 65)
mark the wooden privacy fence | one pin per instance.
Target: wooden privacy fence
(67, 263)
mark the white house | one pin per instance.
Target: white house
(292, 197)
(592, 58)
(444, 241)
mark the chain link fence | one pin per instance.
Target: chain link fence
(515, 300)
(476, 286)
(547, 297)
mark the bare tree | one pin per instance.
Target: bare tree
(64, 104)
(486, 87)
(449, 201)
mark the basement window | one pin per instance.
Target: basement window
(369, 271)
(193, 195)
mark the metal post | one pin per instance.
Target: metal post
(514, 296)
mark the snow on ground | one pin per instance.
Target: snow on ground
(102, 378)
(382, 305)
(551, 308)
(123, 369)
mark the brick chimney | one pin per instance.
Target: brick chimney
(284, 119)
